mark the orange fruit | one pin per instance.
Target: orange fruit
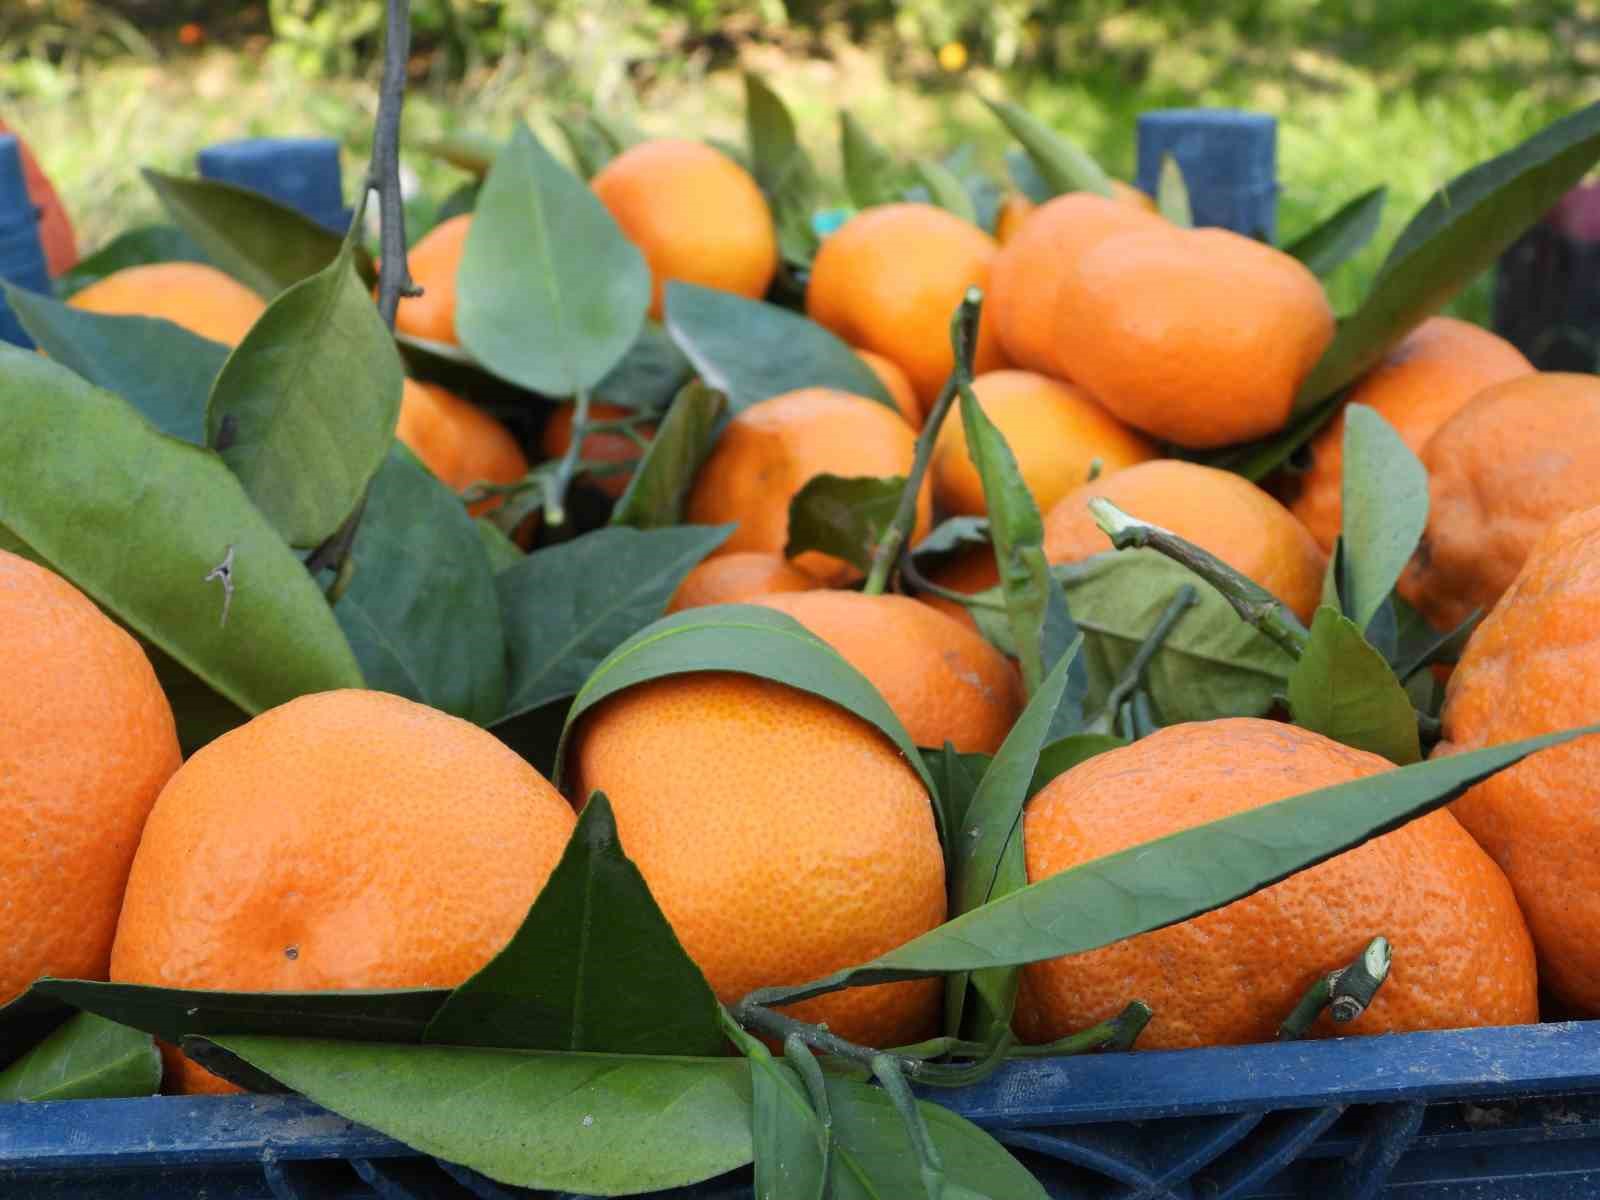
(200, 298)
(737, 578)
(602, 447)
(1462, 955)
(1420, 384)
(1519, 456)
(896, 384)
(1055, 430)
(695, 214)
(434, 261)
(1533, 667)
(347, 839)
(891, 279)
(86, 742)
(944, 682)
(55, 227)
(1199, 337)
(1216, 510)
(1016, 208)
(458, 441)
(773, 448)
(783, 837)
(1029, 269)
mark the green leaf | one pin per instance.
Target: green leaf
(1342, 688)
(661, 482)
(458, 203)
(1418, 644)
(871, 175)
(472, 152)
(171, 1014)
(202, 716)
(265, 245)
(1061, 755)
(136, 247)
(873, 1158)
(790, 1139)
(88, 1058)
(138, 520)
(1327, 246)
(955, 782)
(421, 612)
(1199, 869)
(1385, 510)
(591, 947)
(26, 1020)
(751, 350)
(598, 1124)
(1457, 235)
(305, 407)
(843, 517)
(953, 533)
(502, 551)
(1026, 177)
(1061, 165)
(568, 606)
(781, 167)
(752, 641)
(550, 294)
(649, 375)
(587, 144)
(945, 190)
(160, 368)
(1256, 460)
(1172, 194)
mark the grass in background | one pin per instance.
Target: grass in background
(1411, 120)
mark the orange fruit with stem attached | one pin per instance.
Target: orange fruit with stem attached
(87, 741)
(1216, 510)
(695, 214)
(1419, 385)
(1533, 667)
(890, 281)
(1518, 457)
(458, 441)
(1035, 259)
(896, 384)
(783, 837)
(326, 845)
(775, 447)
(738, 578)
(56, 238)
(1055, 430)
(944, 682)
(200, 298)
(1462, 954)
(1200, 337)
(606, 447)
(433, 263)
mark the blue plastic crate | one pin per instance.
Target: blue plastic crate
(1499, 1114)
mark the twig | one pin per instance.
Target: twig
(1119, 1033)
(556, 485)
(383, 173)
(1345, 993)
(1129, 680)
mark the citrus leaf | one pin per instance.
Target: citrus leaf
(88, 1058)
(305, 407)
(421, 612)
(137, 247)
(26, 1020)
(1385, 491)
(1256, 460)
(953, 533)
(568, 606)
(1328, 245)
(1026, 177)
(160, 368)
(1061, 755)
(171, 1014)
(138, 520)
(1172, 194)
(201, 714)
(265, 245)
(459, 202)
(587, 144)
(873, 1158)
(1061, 165)
(550, 294)
(572, 975)
(751, 350)
(945, 190)
(598, 1124)
(955, 782)
(472, 152)
(871, 175)
(649, 375)
(661, 482)
(1418, 644)
(790, 1139)
(1456, 235)
(781, 167)
(752, 641)
(1343, 689)
(843, 517)
(502, 551)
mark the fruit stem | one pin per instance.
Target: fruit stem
(1119, 1033)
(1345, 992)
(1254, 604)
(555, 496)
(930, 1164)
(964, 338)
(1131, 676)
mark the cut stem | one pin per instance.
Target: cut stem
(1119, 1033)
(1345, 993)
(555, 496)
